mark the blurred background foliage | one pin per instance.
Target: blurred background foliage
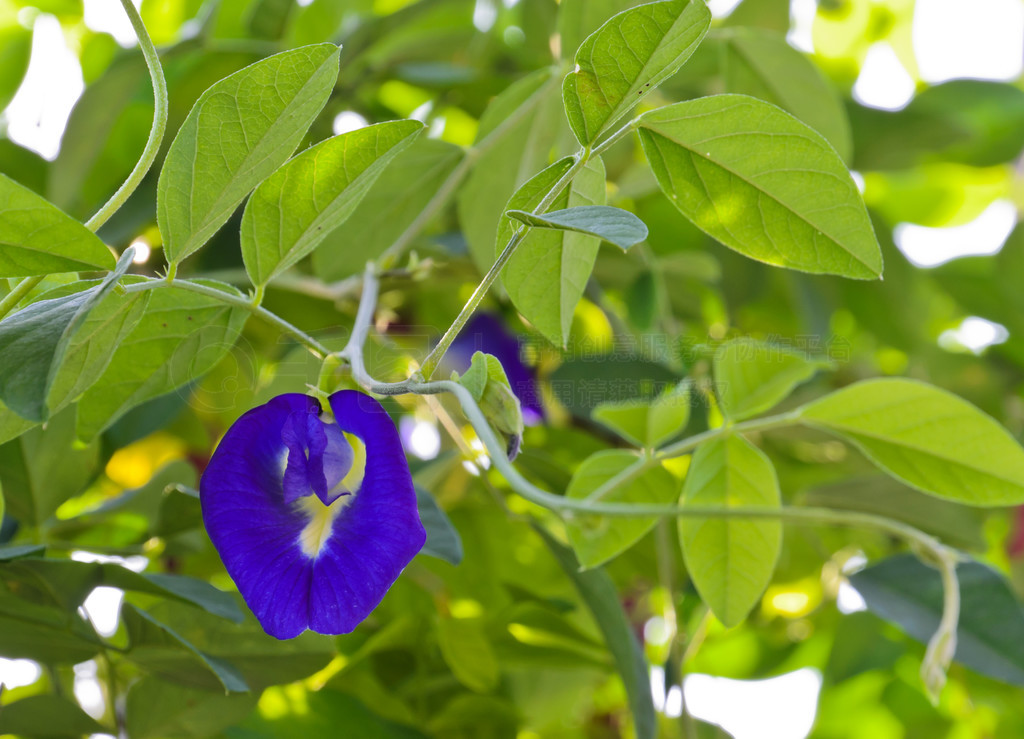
(504, 644)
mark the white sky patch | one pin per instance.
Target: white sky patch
(39, 112)
(103, 605)
(722, 8)
(883, 81)
(986, 234)
(485, 13)
(858, 180)
(142, 251)
(848, 600)
(801, 21)
(974, 334)
(781, 707)
(982, 39)
(347, 121)
(17, 673)
(107, 16)
(87, 689)
(104, 609)
(421, 437)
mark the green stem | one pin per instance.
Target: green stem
(20, 290)
(434, 358)
(156, 133)
(314, 346)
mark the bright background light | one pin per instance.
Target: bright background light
(951, 39)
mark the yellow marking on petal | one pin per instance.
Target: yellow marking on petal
(352, 481)
(321, 519)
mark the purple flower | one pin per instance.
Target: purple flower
(313, 519)
(486, 333)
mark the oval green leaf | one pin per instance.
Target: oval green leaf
(928, 438)
(753, 376)
(548, 272)
(614, 225)
(762, 183)
(239, 131)
(37, 238)
(394, 202)
(37, 339)
(730, 560)
(299, 205)
(626, 58)
(644, 422)
(180, 337)
(597, 539)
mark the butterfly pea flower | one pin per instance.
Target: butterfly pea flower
(314, 517)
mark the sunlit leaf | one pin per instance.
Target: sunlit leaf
(391, 205)
(762, 183)
(596, 539)
(928, 438)
(753, 376)
(239, 132)
(546, 276)
(626, 58)
(304, 201)
(731, 560)
(36, 238)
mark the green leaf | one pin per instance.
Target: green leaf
(990, 635)
(15, 50)
(762, 183)
(37, 339)
(261, 660)
(928, 438)
(762, 64)
(614, 225)
(598, 592)
(549, 270)
(520, 125)
(157, 709)
(394, 201)
(47, 716)
(443, 541)
(43, 632)
(597, 539)
(240, 130)
(468, 653)
(626, 58)
(730, 561)
(72, 581)
(648, 423)
(753, 376)
(304, 201)
(10, 553)
(44, 467)
(12, 425)
(36, 238)
(180, 337)
(141, 625)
